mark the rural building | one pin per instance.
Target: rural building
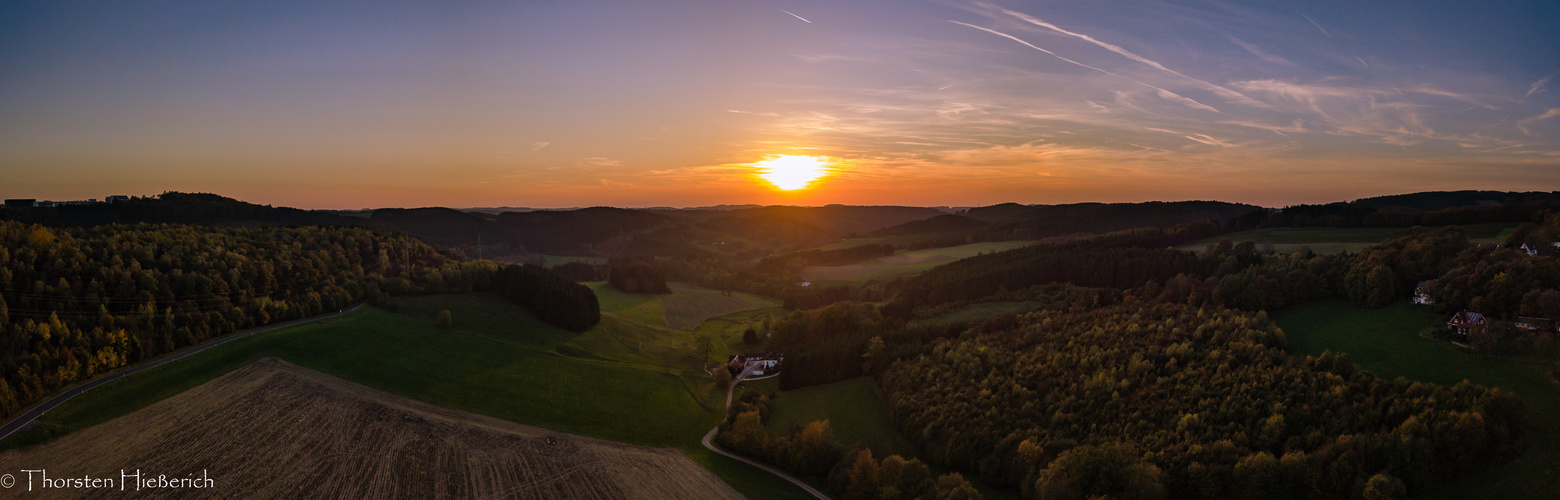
(1422, 293)
(757, 362)
(1464, 321)
(1532, 252)
(1534, 324)
(21, 203)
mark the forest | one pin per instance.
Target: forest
(1155, 400)
(79, 301)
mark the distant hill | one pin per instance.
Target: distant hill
(1441, 200)
(945, 223)
(175, 208)
(574, 231)
(442, 226)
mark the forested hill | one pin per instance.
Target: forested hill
(1440, 200)
(174, 208)
(1052, 220)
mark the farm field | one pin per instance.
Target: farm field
(275, 429)
(1332, 240)
(691, 305)
(624, 382)
(905, 262)
(1387, 342)
(853, 408)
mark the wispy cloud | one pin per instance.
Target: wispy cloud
(1205, 139)
(1162, 93)
(1538, 86)
(1223, 92)
(599, 161)
(1257, 51)
(538, 146)
(1523, 124)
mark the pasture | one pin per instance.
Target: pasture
(691, 305)
(1387, 342)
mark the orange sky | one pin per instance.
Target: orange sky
(563, 104)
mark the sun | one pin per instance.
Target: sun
(791, 172)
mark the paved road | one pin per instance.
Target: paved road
(27, 418)
(711, 435)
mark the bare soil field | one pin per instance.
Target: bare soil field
(689, 306)
(276, 430)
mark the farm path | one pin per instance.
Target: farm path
(710, 436)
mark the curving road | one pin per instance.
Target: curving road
(711, 435)
(26, 419)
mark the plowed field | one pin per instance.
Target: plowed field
(276, 430)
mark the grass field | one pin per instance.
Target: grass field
(1332, 240)
(1386, 341)
(497, 361)
(853, 408)
(904, 262)
(691, 305)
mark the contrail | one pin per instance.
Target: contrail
(1318, 26)
(1227, 93)
(795, 16)
(1162, 92)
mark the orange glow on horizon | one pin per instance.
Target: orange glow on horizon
(792, 172)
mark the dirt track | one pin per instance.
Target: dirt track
(275, 430)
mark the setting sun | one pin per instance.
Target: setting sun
(790, 173)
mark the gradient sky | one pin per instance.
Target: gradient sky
(324, 104)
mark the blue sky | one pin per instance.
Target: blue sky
(335, 104)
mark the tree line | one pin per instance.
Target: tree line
(79, 301)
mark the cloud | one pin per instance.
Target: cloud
(598, 161)
(1257, 51)
(538, 146)
(1537, 87)
(1523, 124)
(1205, 139)
(741, 112)
(1167, 95)
(1224, 92)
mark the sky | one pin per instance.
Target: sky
(324, 104)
